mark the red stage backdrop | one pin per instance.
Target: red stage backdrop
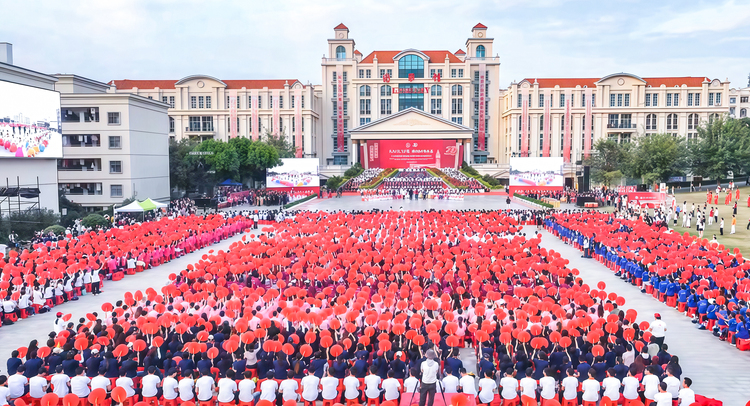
(412, 153)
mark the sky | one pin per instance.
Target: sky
(280, 39)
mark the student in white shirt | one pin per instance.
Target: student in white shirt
(487, 388)
(227, 388)
(60, 383)
(246, 387)
(4, 391)
(663, 398)
(288, 387)
(673, 384)
(351, 386)
(310, 385)
(686, 396)
(611, 386)
(170, 385)
(126, 383)
(79, 384)
(547, 385)
(467, 383)
(204, 387)
(185, 386)
(570, 385)
(630, 386)
(38, 384)
(150, 383)
(509, 385)
(411, 384)
(392, 387)
(101, 382)
(329, 386)
(590, 388)
(372, 384)
(17, 383)
(268, 388)
(450, 384)
(650, 383)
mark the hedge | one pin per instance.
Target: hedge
(532, 200)
(304, 199)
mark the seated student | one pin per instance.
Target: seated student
(329, 386)
(450, 383)
(268, 388)
(204, 387)
(372, 384)
(150, 384)
(630, 386)
(351, 386)
(467, 383)
(60, 383)
(38, 385)
(288, 388)
(392, 387)
(650, 384)
(686, 395)
(611, 386)
(126, 383)
(246, 388)
(673, 384)
(100, 381)
(663, 398)
(4, 391)
(79, 384)
(310, 385)
(528, 385)
(487, 388)
(590, 388)
(186, 385)
(570, 386)
(170, 385)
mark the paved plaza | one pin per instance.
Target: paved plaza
(718, 370)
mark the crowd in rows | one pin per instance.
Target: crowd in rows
(366, 176)
(362, 307)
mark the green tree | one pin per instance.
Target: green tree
(608, 160)
(354, 171)
(25, 223)
(282, 145)
(261, 156)
(94, 220)
(723, 145)
(223, 159)
(184, 173)
(334, 182)
(656, 157)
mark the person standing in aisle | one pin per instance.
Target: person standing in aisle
(734, 224)
(721, 227)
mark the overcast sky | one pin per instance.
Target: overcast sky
(252, 39)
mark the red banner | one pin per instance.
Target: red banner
(340, 107)
(275, 125)
(482, 98)
(524, 122)
(547, 146)
(566, 139)
(233, 113)
(588, 118)
(412, 153)
(254, 122)
(298, 121)
(652, 199)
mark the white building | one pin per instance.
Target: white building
(739, 102)
(115, 145)
(201, 107)
(30, 173)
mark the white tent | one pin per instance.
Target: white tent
(133, 207)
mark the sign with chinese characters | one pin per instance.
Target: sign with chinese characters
(254, 122)
(567, 140)
(588, 94)
(482, 101)
(276, 125)
(436, 77)
(233, 113)
(411, 77)
(386, 78)
(340, 107)
(397, 90)
(298, 122)
(524, 122)
(413, 154)
(547, 118)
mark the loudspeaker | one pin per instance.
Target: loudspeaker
(586, 179)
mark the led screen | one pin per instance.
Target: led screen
(294, 172)
(29, 122)
(534, 172)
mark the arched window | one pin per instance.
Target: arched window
(436, 90)
(457, 90)
(692, 121)
(411, 64)
(364, 91)
(340, 52)
(712, 117)
(743, 113)
(651, 122)
(480, 51)
(385, 90)
(671, 121)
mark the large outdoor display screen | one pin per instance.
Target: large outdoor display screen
(536, 172)
(294, 172)
(412, 154)
(29, 122)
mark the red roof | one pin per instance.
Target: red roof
(480, 25)
(690, 81)
(563, 82)
(341, 27)
(387, 56)
(460, 52)
(356, 52)
(231, 84)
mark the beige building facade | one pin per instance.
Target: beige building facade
(739, 103)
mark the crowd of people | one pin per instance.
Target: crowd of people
(699, 277)
(355, 307)
(460, 179)
(412, 179)
(21, 140)
(369, 195)
(361, 179)
(268, 197)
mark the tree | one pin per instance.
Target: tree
(608, 161)
(94, 220)
(223, 159)
(25, 223)
(261, 156)
(656, 157)
(282, 145)
(184, 173)
(723, 145)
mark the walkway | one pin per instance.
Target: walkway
(717, 369)
(38, 326)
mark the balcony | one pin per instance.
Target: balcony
(333, 60)
(621, 126)
(488, 59)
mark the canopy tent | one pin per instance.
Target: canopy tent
(229, 182)
(133, 207)
(149, 204)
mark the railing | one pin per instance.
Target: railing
(338, 59)
(621, 125)
(483, 58)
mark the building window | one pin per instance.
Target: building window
(460, 73)
(340, 159)
(627, 99)
(340, 53)
(115, 190)
(690, 100)
(410, 98)
(650, 121)
(612, 97)
(480, 51)
(303, 101)
(281, 101)
(743, 99)
(113, 118)
(368, 73)
(385, 106)
(436, 106)
(457, 106)
(692, 121)
(732, 100)
(457, 90)
(712, 117)
(411, 65)
(743, 113)
(731, 111)
(718, 99)
(676, 99)
(208, 102)
(361, 74)
(171, 124)
(195, 123)
(171, 101)
(692, 138)
(115, 142)
(562, 99)
(164, 99)
(458, 120)
(619, 100)
(541, 122)
(648, 99)
(671, 122)
(385, 90)
(207, 123)
(115, 166)
(364, 120)
(436, 90)
(669, 99)
(655, 100)
(364, 106)
(453, 73)
(541, 99)
(364, 91)
(193, 102)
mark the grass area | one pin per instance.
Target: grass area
(739, 240)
